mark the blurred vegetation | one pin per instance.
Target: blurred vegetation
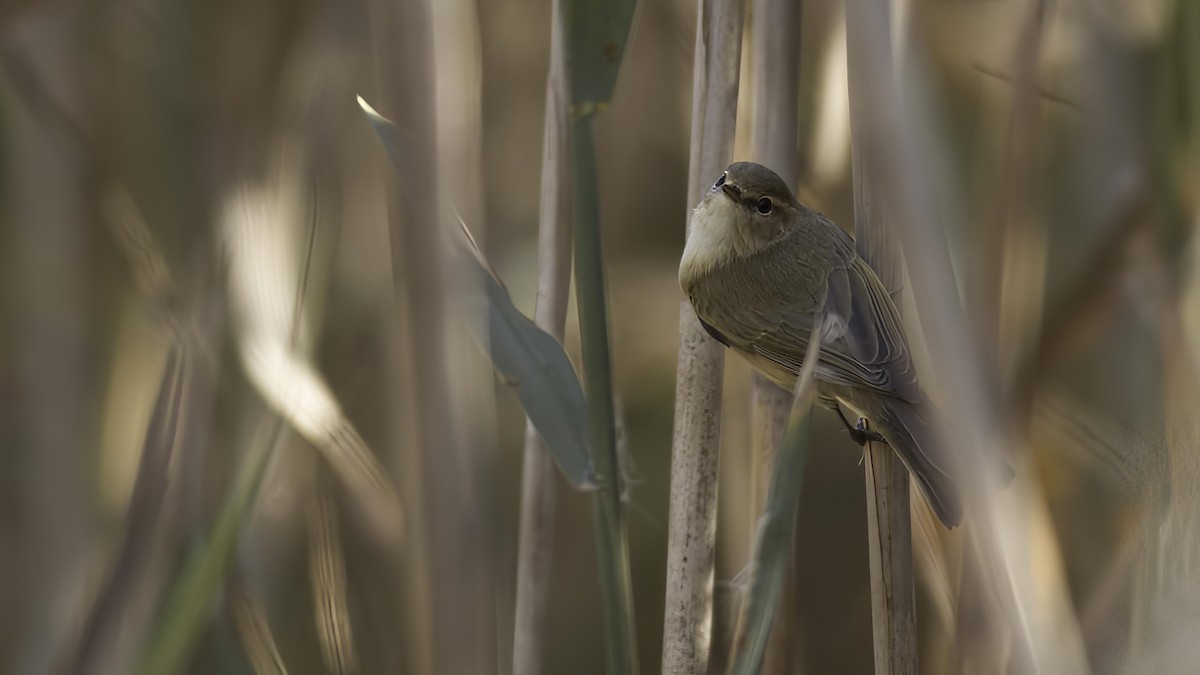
(148, 351)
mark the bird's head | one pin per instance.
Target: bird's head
(748, 207)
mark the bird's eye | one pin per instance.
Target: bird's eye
(719, 183)
(764, 206)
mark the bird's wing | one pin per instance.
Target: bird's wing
(862, 341)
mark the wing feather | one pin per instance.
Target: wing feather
(862, 344)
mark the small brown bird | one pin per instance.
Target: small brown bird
(759, 265)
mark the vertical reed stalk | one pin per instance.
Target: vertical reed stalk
(893, 603)
(538, 480)
(1015, 562)
(889, 524)
(616, 593)
(775, 69)
(447, 584)
(687, 624)
(408, 464)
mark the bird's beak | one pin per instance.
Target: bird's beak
(734, 192)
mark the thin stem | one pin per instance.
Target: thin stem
(539, 484)
(893, 603)
(775, 70)
(616, 594)
(889, 524)
(687, 622)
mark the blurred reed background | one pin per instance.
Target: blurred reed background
(241, 430)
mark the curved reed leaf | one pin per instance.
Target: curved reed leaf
(537, 368)
(596, 34)
(528, 358)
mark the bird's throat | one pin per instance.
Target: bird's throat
(714, 238)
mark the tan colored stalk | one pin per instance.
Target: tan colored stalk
(889, 525)
(687, 624)
(889, 541)
(775, 69)
(539, 482)
(447, 596)
(1008, 529)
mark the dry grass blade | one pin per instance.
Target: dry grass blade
(772, 553)
(268, 298)
(775, 72)
(1126, 459)
(1168, 593)
(1090, 300)
(150, 272)
(1011, 216)
(328, 574)
(695, 445)
(190, 599)
(258, 224)
(145, 508)
(255, 633)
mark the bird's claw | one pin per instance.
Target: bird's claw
(862, 435)
(859, 433)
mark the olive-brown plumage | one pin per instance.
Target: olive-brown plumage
(759, 266)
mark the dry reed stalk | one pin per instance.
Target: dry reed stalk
(475, 543)
(889, 541)
(687, 625)
(444, 581)
(775, 73)
(889, 524)
(1014, 564)
(539, 486)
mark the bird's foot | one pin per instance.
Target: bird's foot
(859, 433)
(862, 435)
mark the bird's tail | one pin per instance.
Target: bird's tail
(914, 439)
